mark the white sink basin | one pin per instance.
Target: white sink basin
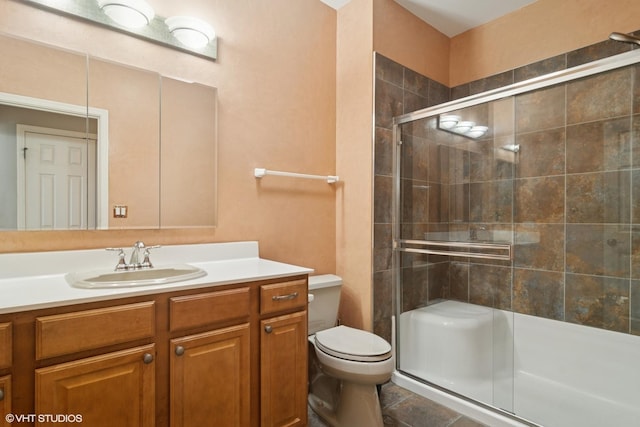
(145, 277)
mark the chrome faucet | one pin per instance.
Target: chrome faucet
(135, 254)
(139, 252)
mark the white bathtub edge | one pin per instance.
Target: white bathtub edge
(469, 409)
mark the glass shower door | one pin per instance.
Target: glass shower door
(454, 234)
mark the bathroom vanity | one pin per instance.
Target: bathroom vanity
(227, 349)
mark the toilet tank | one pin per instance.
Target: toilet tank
(323, 308)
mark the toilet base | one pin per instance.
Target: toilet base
(356, 405)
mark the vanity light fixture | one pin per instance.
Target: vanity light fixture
(191, 32)
(453, 123)
(137, 18)
(128, 13)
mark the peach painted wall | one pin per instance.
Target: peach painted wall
(354, 161)
(276, 85)
(365, 26)
(401, 36)
(541, 30)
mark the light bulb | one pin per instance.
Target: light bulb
(191, 32)
(128, 13)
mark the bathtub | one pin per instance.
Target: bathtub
(551, 373)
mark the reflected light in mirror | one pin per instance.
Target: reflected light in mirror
(463, 127)
(477, 131)
(128, 13)
(452, 123)
(448, 121)
(191, 32)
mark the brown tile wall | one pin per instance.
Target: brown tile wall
(576, 184)
(400, 90)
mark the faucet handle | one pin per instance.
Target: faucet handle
(122, 265)
(146, 262)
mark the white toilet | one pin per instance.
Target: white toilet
(345, 363)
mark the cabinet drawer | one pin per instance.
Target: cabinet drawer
(192, 311)
(5, 345)
(85, 330)
(283, 296)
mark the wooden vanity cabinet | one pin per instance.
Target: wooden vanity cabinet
(283, 354)
(210, 381)
(210, 371)
(231, 355)
(6, 352)
(95, 390)
(6, 345)
(5, 400)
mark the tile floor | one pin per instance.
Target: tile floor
(402, 408)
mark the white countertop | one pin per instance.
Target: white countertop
(32, 281)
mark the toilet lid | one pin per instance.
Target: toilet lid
(353, 344)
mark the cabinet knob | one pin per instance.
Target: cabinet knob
(147, 358)
(1, 394)
(179, 350)
(268, 329)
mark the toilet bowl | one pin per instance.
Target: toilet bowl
(346, 364)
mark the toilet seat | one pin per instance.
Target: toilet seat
(353, 344)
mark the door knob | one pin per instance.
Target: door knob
(147, 358)
(179, 350)
(268, 329)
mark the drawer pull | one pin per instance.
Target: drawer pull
(1, 394)
(268, 329)
(284, 297)
(179, 350)
(147, 358)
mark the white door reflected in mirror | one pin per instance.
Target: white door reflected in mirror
(56, 179)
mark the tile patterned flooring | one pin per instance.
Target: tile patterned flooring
(402, 408)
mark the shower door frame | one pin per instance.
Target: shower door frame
(585, 70)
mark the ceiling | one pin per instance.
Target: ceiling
(452, 17)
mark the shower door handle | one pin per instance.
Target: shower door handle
(424, 247)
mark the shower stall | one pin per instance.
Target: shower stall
(516, 249)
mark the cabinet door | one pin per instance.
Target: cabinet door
(210, 379)
(283, 370)
(115, 389)
(5, 400)
(5, 345)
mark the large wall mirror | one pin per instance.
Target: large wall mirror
(87, 143)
